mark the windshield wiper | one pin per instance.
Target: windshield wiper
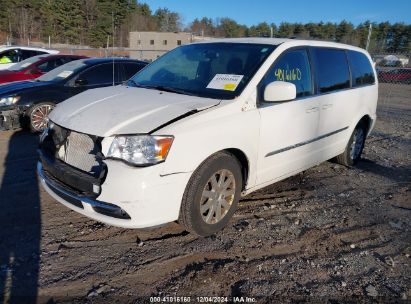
(168, 89)
(133, 82)
(161, 88)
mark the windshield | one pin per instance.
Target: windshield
(63, 71)
(25, 63)
(215, 70)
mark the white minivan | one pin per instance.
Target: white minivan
(203, 125)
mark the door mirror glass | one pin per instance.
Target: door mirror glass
(278, 91)
(80, 82)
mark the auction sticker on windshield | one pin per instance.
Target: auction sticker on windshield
(65, 74)
(228, 82)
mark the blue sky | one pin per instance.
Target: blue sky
(251, 12)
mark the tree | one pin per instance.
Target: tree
(285, 30)
(381, 33)
(344, 32)
(329, 31)
(399, 38)
(300, 32)
(168, 21)
(361, 35)
(260, 30)
(230, 28)
(204, 27)
(68, 20)
(144, 9)
(21, 18)
(314, 30)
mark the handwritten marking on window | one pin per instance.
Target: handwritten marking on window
(288, 74)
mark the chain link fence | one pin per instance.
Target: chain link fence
(139, 54)
(394, 77)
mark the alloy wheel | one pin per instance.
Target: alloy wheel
(39, 116)
(218, 196)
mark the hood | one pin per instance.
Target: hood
(18, 86)
(124, 110)
(9, 76)
(7, 72)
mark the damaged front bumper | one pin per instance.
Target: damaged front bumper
(55, 188)
(10, 118)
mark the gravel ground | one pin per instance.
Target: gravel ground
(331, 234)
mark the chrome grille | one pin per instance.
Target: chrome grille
(79, 152)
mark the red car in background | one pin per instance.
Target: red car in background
(34, 67)
(395, 76)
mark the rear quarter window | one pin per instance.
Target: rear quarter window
(361, 69)
(10, 56)
(332, 69)
(131, 69)
(30, 53)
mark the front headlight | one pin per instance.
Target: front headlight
(9, 100)
(140, 149)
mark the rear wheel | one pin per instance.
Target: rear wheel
(38, 116)
(354, 147)
(211, 195)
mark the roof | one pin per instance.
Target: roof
(257, 40)
(278, 41)
(8, 47)
(395, 57)
(51, 56)
(111, 59)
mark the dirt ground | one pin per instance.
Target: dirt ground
(331, 234)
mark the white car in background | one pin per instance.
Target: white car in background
(203, 125)
(9, 55)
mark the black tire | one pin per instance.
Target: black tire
(31, 115)
(348, 158)
(191, 218)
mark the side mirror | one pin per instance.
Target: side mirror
(279, 91)
(80, 82)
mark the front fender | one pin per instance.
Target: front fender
(199, 137)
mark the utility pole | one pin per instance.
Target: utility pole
(11, 34)
(369, 37)
(112, 49)
(108, 41)
(271, 32)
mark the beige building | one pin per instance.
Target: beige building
(151, 45)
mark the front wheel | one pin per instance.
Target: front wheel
(354, 147)
(211, 195)
(38, 116)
